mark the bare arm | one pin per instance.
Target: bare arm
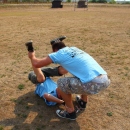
(51, 98)
(38, 63)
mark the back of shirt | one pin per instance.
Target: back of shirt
(78, 63)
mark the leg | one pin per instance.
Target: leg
(36, 76)
(67, 98)
(39, 74)
(84, 97)
(67, 87)
(69, 113)
(93, 87)
(47, 72)
(82, 101)
(52, 98)
(53, 71)
(69, 103)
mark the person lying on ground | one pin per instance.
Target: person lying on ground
(46, 88)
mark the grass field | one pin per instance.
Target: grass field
(103, 32)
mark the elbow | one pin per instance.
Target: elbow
(35, 65)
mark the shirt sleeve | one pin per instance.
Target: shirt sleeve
(56, 57)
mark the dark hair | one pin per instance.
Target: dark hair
(58, 45)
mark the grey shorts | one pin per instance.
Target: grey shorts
(72, 85)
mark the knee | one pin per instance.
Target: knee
(45, 95)
(41, 79)
(62, 71)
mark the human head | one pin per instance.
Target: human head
(58, 45)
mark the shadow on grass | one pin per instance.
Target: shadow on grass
(33, 114)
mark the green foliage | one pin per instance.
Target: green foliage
(68, 1)
(109, 114)
(126, 2)
(48, 0)
(13, 100)
(101, 1)
(112, 2)
(93, 1)
(38, 129)
(1, 127)
(98, 1)
(21, 86)
(3, 75)
(28, 1)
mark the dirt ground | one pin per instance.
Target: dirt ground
(103, 32)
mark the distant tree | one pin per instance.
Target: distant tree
(93, 1)
(68, 1)
(98, 1)
(112, 2)
(101, 1)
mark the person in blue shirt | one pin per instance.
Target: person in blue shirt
(88, 76)
(46, 88)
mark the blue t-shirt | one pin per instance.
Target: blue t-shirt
(78, 63)
(48, 86)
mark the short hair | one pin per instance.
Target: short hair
(58, 45)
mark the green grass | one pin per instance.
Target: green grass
(21, 86)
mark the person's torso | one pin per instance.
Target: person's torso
(78, 63)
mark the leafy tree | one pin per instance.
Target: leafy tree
(112, 2)
(101, 1)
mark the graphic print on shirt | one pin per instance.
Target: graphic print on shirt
(73, 52)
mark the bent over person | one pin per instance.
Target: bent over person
(88, 76)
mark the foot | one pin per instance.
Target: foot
(65, 114)
(29, 46)
(57, 39)
(81, 103)
(62, 38)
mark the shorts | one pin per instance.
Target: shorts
(47, 71)
(73, 85)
